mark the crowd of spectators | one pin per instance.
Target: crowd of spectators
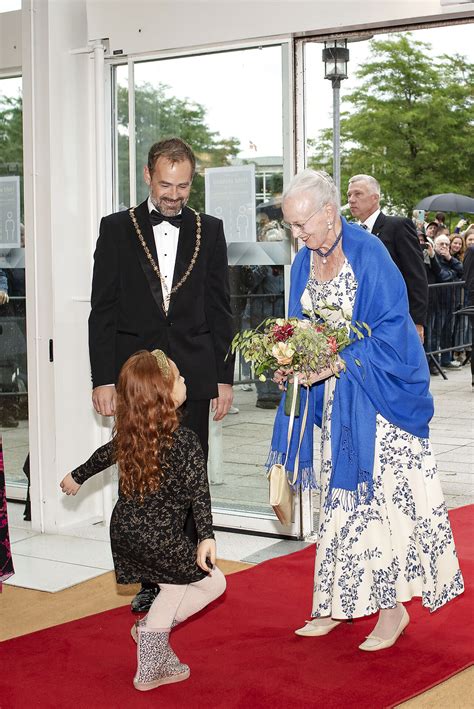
(443, 253)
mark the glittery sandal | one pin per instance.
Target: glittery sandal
(157, 663)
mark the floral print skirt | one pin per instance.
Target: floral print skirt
(398, 546)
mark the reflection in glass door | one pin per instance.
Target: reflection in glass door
(228, 123)
(13, 367)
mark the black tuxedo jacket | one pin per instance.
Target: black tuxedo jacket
(127, 303)
(399, 236)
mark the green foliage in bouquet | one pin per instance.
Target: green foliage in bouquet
(295, 345)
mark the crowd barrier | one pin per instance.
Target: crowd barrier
(449, 324)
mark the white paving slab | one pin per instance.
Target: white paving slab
(17, 534)
(50, 576)
(71, 550)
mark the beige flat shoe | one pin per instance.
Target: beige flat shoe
(309, 630)
(372, 643)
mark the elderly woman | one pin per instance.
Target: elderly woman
(384, 534)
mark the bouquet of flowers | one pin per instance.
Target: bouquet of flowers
(296, 346)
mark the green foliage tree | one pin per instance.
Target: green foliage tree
(410, 124)
(11, 135)
(158, 116)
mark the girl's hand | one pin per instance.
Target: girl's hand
(69, 486)
(206, 550)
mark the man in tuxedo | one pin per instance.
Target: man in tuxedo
(161, 281)
(400, 238)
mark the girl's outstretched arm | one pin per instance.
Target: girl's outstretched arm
(101, 459)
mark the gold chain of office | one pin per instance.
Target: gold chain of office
(166, 292)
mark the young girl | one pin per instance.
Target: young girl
(162, 473)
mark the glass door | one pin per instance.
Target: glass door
(13, 367)
(233, 108)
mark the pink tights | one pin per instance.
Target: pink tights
(175, 603)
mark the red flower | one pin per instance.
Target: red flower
(282, 333)
(332, 342)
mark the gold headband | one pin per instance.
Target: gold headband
(162, 361)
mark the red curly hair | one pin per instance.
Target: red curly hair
(145, 420)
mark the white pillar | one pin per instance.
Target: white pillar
(60, 194)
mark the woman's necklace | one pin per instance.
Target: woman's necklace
(324, 255)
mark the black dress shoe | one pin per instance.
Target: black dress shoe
(144, 598)
(27, 512)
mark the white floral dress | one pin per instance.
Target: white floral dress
(398, 546)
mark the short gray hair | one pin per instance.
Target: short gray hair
(372, 183)
(318, 183)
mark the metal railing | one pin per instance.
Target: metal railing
(449, 327)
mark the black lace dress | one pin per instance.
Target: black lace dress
(147, 538)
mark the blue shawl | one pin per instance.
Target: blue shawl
(387, 373)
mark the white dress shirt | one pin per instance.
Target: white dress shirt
(370, 221)
(166, 242)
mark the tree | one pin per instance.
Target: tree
(410, 125)
(11, 135)
(159, 116)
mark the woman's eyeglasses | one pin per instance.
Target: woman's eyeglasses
(300, 227)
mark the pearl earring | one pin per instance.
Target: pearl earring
(330, 224)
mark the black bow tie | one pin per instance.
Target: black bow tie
(364, 226)
(157, 218)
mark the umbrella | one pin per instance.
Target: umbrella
(448, 202)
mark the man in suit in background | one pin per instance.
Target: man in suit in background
(400, 238)
(161, 281)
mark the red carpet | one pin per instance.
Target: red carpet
(243, 653)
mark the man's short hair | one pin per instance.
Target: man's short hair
(440, 216)
(174, 150)
(435, 224)
(372, 183)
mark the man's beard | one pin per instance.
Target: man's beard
(166, 208)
